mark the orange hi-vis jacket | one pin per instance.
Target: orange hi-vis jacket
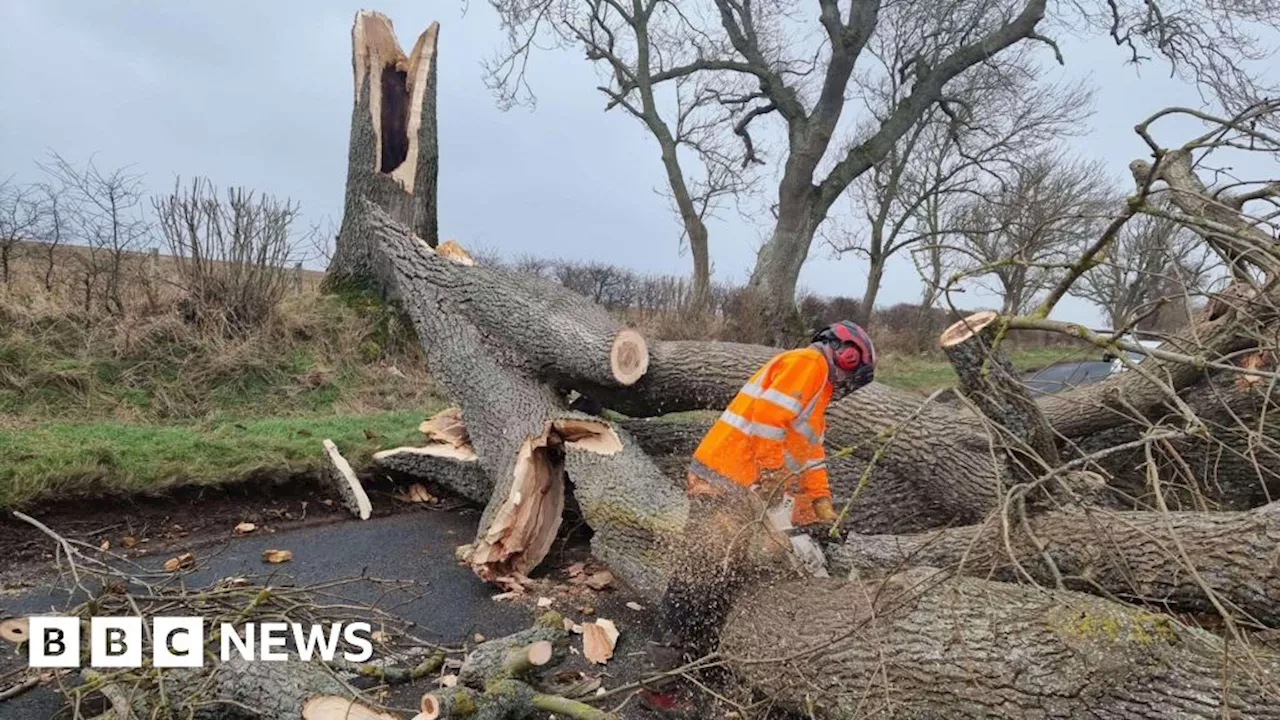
(773, 427)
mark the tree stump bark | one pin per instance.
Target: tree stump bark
(393, 155)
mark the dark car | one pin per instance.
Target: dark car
(1067, 375)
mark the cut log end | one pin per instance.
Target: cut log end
(629, 356)
(966, 328)
(15, 630)
(540, 653)
(430, 707)
(336, 707)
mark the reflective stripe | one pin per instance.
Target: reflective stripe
(792, 465)
(753, 389)
(768, 432)
(801, 426)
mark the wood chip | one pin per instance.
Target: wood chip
(105, 545)
(478, 638)
(276, 557)
(576, 569)
(635, 606)
(185, 560)
(544, 602)
(600, 580)
(15, 630)
(128, 541)
(448, 681)
(507, 596)
(416, 493)
(598, 640)
(245, 528)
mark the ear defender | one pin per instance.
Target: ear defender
(848, 357)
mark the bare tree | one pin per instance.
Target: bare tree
(1021, 231)
(55, 229)
(110, 224)
(232, 256)
(639, 45)
(20, 216)
(748, 62)
(1000, 113)
(1153, 263)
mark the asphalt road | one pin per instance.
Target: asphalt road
(451, 604)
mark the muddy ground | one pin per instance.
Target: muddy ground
(410, 542)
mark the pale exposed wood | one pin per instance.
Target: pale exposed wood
(344, 480)
(15, 630)
(598, 641)
(448, 427)
(540, 653)
(333, 707)
(629, 356)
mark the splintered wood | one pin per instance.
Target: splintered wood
(598, 640)
(345, 482)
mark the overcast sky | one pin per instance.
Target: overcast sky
(259, 94)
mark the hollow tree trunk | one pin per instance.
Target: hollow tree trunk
(393, 156)
(1170, 560)
(524, 436)
(924, 646)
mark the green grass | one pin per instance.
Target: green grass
(926, 373)
(67, 459)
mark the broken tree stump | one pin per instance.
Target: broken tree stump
(393, 155)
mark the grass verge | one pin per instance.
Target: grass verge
(68, 459)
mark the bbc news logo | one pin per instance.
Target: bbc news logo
(178, 642)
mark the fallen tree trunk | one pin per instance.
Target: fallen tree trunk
(241, 690)
(523, 435)
(1184, 561)
(926, 646)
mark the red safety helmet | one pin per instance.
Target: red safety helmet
(851, 346)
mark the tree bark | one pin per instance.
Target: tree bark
(769, 314)
(875, 276)
(925, 646)
(243, 690)
(1183, 561)
(988, 379)
(522, 433)
(393, 156)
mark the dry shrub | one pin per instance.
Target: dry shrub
(232, 256)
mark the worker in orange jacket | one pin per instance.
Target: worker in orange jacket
(770, 439)
(771, 434)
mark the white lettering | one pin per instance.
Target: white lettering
(230, 637)
(308, 644)
(366, 642)
(272, 638)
